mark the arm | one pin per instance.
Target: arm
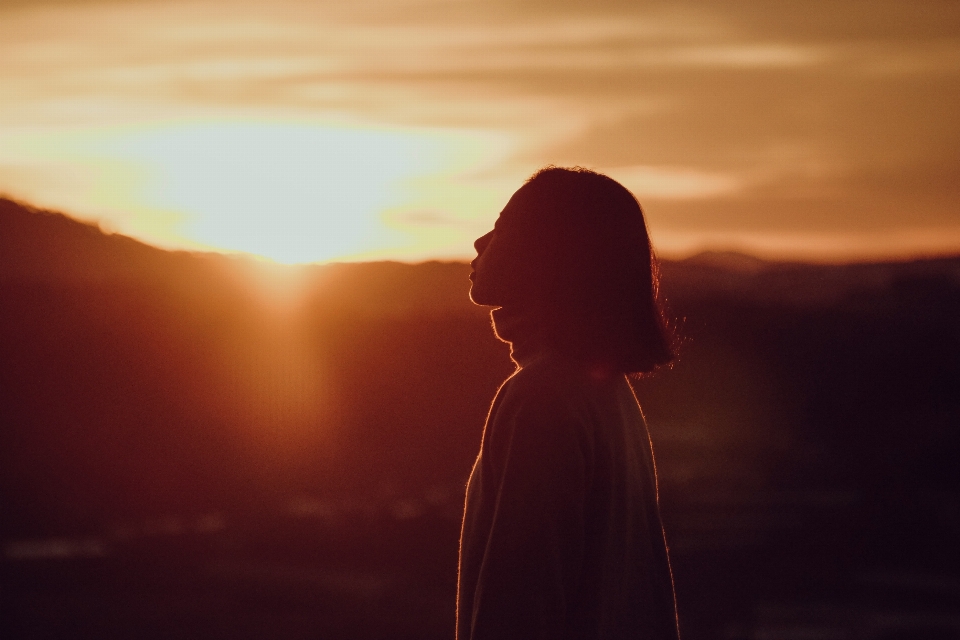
(526, 542)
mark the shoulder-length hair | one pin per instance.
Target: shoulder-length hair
(591, 275)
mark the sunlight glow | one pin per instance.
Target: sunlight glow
(293, 192)
(304, 131)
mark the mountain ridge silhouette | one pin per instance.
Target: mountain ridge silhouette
(805, 436)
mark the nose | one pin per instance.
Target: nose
(480, 244)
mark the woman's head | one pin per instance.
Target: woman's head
(570, 255)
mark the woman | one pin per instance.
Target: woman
(561, 532)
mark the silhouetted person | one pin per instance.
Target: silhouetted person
(561, 531)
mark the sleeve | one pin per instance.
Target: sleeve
(535, 475)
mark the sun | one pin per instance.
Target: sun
(290, 191)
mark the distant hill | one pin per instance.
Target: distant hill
(43, 246)
(214, 445)
(141, 380)
(38, 245)
(136, 379)
(791, 283)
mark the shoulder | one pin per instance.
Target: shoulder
(541, 415)
(549, 390)
(546, 381)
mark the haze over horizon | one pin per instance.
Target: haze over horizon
(360, 130)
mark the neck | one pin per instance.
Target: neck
(525, 331)
(519, 328)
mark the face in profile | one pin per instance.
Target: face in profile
(480, 287)
(485, 279)
(496, 264)
(569, 265)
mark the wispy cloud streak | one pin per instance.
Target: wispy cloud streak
(700, 108)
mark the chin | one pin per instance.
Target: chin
(475, 299)
(481, 297)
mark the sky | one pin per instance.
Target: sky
(326, 130)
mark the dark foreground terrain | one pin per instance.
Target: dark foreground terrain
(198, 446)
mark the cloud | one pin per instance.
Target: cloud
(763, 115)
(674, 183)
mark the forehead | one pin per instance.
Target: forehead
(516, 212)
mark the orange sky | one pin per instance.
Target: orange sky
(309, 131)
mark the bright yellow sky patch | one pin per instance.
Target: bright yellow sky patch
(309, 131)
(291, 191)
